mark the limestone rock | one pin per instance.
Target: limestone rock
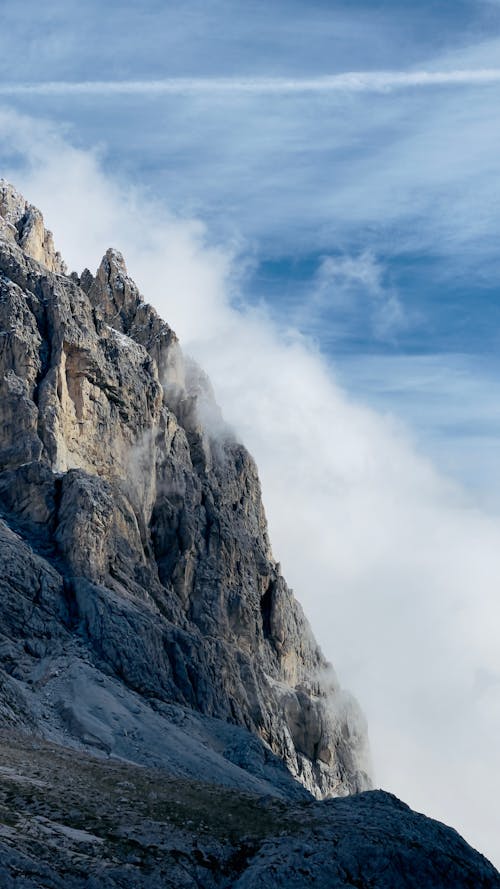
(145, 619)
(406, 850)
(22, 223)
(83, 822)
(117, 468)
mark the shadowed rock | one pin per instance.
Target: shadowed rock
(145, 621)
(88, 823)
(125, 485)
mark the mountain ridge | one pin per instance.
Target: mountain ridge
(148, 638)
(107, 455)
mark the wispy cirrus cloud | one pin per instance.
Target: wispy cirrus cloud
(355, 290)
(350, 81)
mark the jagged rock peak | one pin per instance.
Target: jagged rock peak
(22, 223)
(143, 552)
(113, 291)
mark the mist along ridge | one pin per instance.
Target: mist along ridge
(147, 626)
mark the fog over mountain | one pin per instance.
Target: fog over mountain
(300, 200)
(395, 563)
(148, 635)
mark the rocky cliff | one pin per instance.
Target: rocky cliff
(166, 717)
(134, 538)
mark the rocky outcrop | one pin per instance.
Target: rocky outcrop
(22, 224)
(136, 536)
(166, 717)
(89, 823)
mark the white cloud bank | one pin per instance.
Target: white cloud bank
(398, 572)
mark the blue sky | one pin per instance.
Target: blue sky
(403, 179)
(74, 40)
(330, 250)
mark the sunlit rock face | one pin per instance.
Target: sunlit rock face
(166, 717)
(22, 224)
(135, 537)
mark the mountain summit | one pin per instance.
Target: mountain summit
(144, 618)
(147, 533)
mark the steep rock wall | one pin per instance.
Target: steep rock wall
(117, 469)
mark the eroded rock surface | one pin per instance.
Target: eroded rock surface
(89, 823)
(22, 223)
(166, 717)
(141, 547)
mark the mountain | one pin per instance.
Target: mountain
(134, 531)
(148, 638)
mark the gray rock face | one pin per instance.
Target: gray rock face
(148, 641)
(405, 850)
(89, 823)
(134, 536)
(22, 224)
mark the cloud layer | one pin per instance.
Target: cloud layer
(397, 569)
(350, 81)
